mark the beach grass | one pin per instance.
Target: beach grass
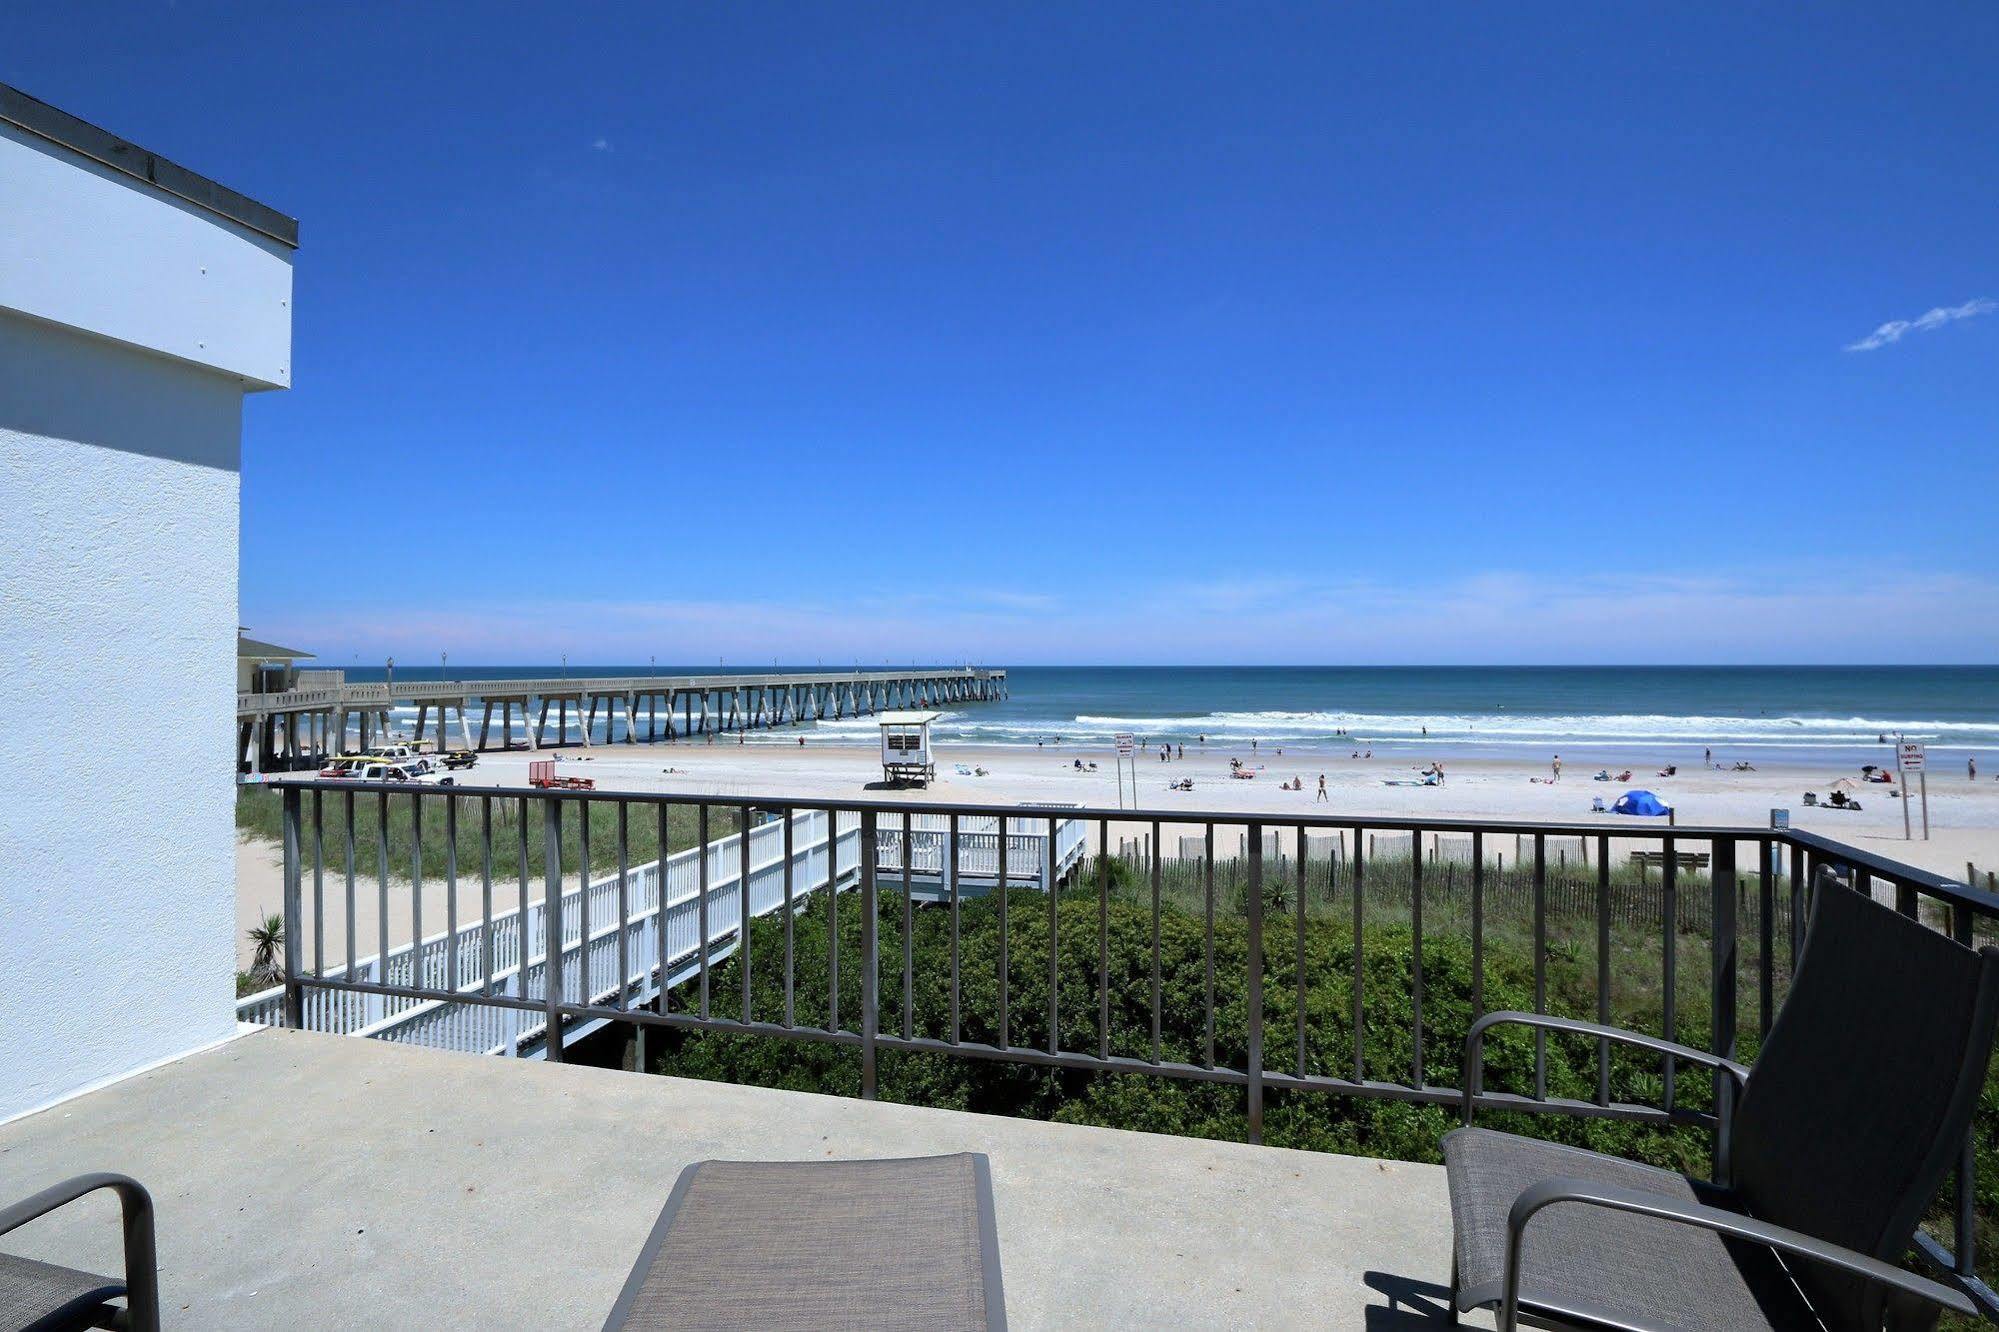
(420, 831)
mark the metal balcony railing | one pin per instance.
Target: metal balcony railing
(1554, 887)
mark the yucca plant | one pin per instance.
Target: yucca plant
(267, 944)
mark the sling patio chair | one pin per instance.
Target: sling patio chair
(48, 1297)
(897, 1245)
(1836, 1143)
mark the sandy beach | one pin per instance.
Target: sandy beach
(1963, 815)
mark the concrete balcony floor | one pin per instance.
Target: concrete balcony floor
(326, 1181)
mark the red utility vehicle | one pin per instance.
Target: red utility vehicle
(541, 773)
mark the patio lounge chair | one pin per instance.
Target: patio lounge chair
(772, 1245)
(46, 1296)
(1840, 1135)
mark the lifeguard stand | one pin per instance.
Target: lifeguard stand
(906, 747)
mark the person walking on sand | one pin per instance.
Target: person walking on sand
(1322, 788)
(1558, 769)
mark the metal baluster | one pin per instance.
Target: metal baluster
(551, 927)
(743, 905)
(1357, 871)
(348, 815)
(1416, 949)
(1054, 945)
(1671, 900)
(294, 993)
(1722, 986)
(486, 891)
(585, 991)
(790, 817)
(1103, 935)
(908, 940)
(951, 859)
(1005, 910)
(1208, 948)
(1540, 962)
(833, 920)
(660, 895)
(1800, 880)
(1298, 889)
(450, 883)
(1254, 997)
(1157, 852)
(1603, 967)
(318, 891)
(1477, 925)
(870, 957)
(416, 891)
(701, 904)
(625, 914)
(1766, 938)
(521, 927)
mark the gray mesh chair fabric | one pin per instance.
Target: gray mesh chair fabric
(898, 1244)
(1865, 1087)
(1855, 1108)
(1633, 1268)
(45, 1296)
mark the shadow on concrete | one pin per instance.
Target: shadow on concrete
(1411, 1304)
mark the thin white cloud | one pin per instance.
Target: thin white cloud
(1895, 329)
(600, 145)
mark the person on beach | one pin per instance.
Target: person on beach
(1558, 769)
(1707, 756)
(1322, 788)
(1181, 751)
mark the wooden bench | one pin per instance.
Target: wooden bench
(1686, 859)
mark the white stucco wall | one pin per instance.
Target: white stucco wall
(119, 466)
(118, 474)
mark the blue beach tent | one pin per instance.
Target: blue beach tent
(1639, 802)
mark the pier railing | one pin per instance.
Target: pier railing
(1417, 940)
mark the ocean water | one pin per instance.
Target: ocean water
(1662, 713)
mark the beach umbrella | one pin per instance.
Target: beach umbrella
(1640, 802)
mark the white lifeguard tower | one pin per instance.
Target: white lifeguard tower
(906, 747)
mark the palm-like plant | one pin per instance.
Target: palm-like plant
(267, 942)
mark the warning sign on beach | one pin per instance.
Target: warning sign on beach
(1911, 756)
(1124, 744)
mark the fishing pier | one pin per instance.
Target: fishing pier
(298, 726)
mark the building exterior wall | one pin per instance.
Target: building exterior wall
(86, 246)
(119, 467)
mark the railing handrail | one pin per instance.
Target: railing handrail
(1927, 881)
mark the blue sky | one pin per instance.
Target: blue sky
(1103, 333)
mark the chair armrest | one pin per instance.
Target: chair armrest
(1563, 1189)
(142, 1268)
(1474, 1070)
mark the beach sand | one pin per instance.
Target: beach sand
(1964, 816)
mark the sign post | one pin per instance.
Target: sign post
(1125, 750)
(1909, 758)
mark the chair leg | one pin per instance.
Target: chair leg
(1451, 1308)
